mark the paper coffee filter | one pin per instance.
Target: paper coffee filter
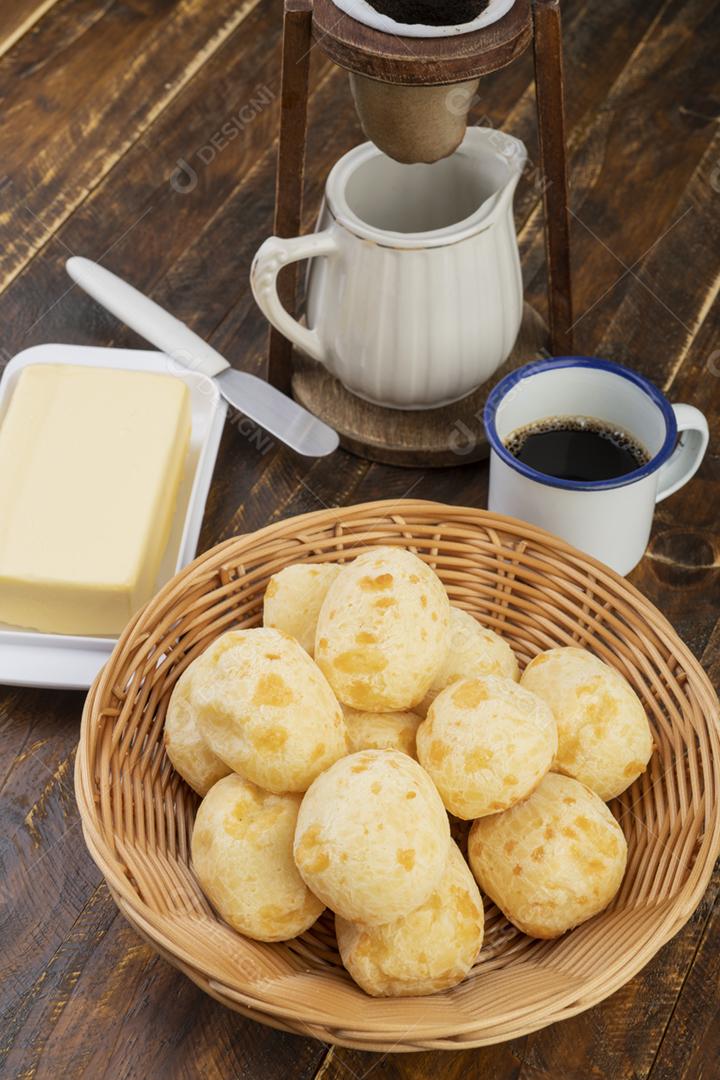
(413, 124)
(365, 13)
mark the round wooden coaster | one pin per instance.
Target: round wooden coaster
(434, 438)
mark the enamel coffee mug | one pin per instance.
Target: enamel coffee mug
(609, 519)
(414, 294)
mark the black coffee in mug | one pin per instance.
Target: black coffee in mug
(577, 448)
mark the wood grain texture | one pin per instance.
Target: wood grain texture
(552, 131)
(290, 178)
(101, 103)
(18, 18)
(102, 81)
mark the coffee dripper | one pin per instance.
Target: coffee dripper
(413, 92)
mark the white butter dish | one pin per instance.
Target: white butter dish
(28, 658)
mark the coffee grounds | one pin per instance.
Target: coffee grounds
(431, 12)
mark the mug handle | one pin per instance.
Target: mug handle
(689, 452)
(269, 261)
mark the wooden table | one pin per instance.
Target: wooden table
(141, 134)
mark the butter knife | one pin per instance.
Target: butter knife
(255, 398)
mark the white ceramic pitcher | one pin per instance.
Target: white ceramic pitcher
(414, 294)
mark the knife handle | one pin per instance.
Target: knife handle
(146, 317)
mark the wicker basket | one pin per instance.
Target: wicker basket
(137, 814)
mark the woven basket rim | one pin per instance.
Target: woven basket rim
(367, 1032)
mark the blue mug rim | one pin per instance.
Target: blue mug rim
(537, 367)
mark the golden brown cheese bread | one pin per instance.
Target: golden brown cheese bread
(486, 743)
(294, 597)
(189, 753)
(372, 837)
(431, 949)
(382, 633)
(242, 855)
(266, 709)
(605, 739)
(474, 650)
(551, 862)
(382, 731)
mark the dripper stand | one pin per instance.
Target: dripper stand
(400, 89)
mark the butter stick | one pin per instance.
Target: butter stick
(90, 466)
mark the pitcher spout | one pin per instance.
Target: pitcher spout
(502, 160)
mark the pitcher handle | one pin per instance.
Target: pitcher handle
(688, 455)
(269, 261)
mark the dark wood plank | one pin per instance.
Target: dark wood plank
(550, 93)
(160, 1023)
(631, 146)
(18, 17)
(64, 129)
(165, 190)
(690, 1049)
(290, 177)
(588, 84)
(675, 345)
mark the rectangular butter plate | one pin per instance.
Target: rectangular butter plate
(59, 661)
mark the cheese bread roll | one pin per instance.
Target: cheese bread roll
(605, 739)
(242, 855)
(552, 861)
(474, 650)
(372, 837)
(382, 731)
(383, 631)
(486, 743)
(266, 709)
(431, 949)
(189, 753)
(294, 597)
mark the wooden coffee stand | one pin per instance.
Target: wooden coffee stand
(454, 433)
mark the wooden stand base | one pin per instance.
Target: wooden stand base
(432, 438)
